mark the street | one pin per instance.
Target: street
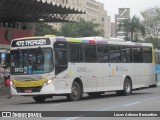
(140, 100)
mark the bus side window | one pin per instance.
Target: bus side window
(137, 55)
(115, 55)
(102, 53)
(147, 54)
(126, 54)
(90, 53)
(75, 53)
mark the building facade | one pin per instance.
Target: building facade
(113, 30)
(94, 12)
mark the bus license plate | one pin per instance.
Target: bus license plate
(28, 91)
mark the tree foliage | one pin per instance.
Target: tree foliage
(151, 21)
(81, 28)
(42, 29)
(134, 28)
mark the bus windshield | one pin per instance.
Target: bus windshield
(31, 61)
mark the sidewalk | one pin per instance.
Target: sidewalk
(14, 99)
(4, 91)
(158, 84)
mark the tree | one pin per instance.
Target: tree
(42, 29)
(151, 21)
(68, 29)
(88, 28)
(134, 28)
(81, 28)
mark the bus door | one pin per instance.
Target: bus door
(115, 63)
(76, 66)
(137, 67)
(61, 65)
(92, 69)
(103, 68)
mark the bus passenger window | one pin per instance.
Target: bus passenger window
(75, 53)
(126, 54)
(137, 55)
(90, 53)
(147, 54)
(102, 53)
(115, 55)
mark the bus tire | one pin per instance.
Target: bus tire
(39, 99)
(127, 88)
(76, 92)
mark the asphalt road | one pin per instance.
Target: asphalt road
(141, 100)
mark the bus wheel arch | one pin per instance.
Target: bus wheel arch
(127, 87)
(76, 90)
(80, 83)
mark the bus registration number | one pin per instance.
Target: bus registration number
(28, 91)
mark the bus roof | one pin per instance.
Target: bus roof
(92, 40)
(34, 37)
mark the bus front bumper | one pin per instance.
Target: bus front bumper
(43, 90)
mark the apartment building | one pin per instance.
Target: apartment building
(113, 29)
(94, 12)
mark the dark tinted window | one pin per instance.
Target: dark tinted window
(102, 53)
(90, 53)
(147, 54)
(115, 55)
(126, 54)
(61, 57)
(75, 53)
(137, 55)
(61, 60)
(62, 45)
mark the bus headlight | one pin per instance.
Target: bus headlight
(11, 83)
(48, 82)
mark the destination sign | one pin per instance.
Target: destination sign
(31, 42)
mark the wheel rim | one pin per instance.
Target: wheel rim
(127, 87)
(75, 91)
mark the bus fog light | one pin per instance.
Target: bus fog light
(48, 82)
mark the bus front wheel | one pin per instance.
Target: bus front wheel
(76, 92)
(39, 99)
(127, 88)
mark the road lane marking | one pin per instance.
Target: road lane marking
(72, 118)
(131, 104)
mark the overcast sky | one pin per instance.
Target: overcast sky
(136, 6)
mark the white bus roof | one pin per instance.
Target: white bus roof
(93, 39)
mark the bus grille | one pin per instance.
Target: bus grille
(32, 89)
